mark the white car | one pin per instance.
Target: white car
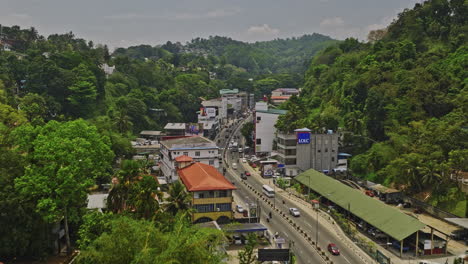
(294, 212)
(237, 240)
(234, 166)
(239, 208)
(244, 160)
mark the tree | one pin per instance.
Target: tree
(66, 159)
(120, 192)
(83, 92)
(247, 256)
(34, 107)
(179, 199)
(247, 131)
(144, 197)
(140, 241)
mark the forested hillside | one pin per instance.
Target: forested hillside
(401, 101)
(291, 55)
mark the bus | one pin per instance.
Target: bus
(268, 191)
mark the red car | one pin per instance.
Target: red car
(247, 173)
(332, 248)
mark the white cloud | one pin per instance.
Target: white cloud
(264, 29)
(332, 22)
(215, 13)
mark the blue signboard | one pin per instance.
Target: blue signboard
(303, 138)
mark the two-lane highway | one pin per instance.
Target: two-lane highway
(306, 221)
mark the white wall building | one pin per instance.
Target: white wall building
(265, 131)
(200, 149)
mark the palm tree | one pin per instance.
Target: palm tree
(119, 194)
(144, 196)
(179, 199)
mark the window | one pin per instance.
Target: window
(222, 193)
(259, 141)
(318, 151)
(333, 159)
(224, 207)
(186, 153)
(204, 208)
(259, 118)
(326, 149)
(211, 162)
(197, 153)
(333, 150)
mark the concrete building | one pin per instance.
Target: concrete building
(200, 149)
(303, 150)
(265, 120)
(208, 116)
(281, 95)
(175, 129)
(211, 192)
(231, 103)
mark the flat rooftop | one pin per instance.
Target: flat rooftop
(193, 141)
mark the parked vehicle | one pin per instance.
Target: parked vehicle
(294, 212)
(243, 176)
(332, 248)
(247, 173)
(244, 160)
(237, 239)
(234, 166)
(239, 208)
(460, 234)
(369, 193)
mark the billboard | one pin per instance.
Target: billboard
(210, 111)
(268, 170)
(303, 137)
(192, 129)
(273, 254)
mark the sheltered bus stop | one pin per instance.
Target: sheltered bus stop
(401, 231)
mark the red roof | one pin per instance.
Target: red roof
(184, 158)
(202, 177)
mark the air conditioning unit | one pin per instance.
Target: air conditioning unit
(218, 210)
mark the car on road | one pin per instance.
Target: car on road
(247, 173)
(243, 176)
(239, 208)
(332, 248)
(234, 166)
(244, 160)
(237, 240)
(294, 212)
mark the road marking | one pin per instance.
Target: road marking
(346, 259)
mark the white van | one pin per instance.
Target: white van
(234, 166)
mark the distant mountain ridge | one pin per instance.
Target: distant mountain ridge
(274, 56)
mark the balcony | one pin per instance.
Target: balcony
(215, 200)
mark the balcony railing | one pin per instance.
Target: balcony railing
(215, 200)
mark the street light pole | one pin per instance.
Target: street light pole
(316, 228)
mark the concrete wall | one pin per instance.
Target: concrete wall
(265, 130)
(321, 154)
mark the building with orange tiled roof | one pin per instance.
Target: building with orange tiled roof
(211, 192)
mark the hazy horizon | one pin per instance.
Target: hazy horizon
(122, 24)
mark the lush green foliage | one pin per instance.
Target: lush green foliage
(139, 241)
(401, 100)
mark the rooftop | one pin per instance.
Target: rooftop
(387, 219)
(228, 91)
(175, 126)
(192, 142)
(273, 111)
(183, 158)
(287, 90)
(461, 222)
(202, 177)
(151, 133)
(284, 97)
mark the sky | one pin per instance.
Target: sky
(123, 23)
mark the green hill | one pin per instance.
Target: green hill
(400, 100)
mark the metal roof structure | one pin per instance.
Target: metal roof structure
(387, 219)
(244, 228)
(272, 111)
(461, 222)
(174, 126)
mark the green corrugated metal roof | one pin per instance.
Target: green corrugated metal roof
(273, 111)
(387, 219)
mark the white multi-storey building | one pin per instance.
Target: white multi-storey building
(265, 131)
(200, 149)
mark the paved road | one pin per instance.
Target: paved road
(306, 221)
(301, 248)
